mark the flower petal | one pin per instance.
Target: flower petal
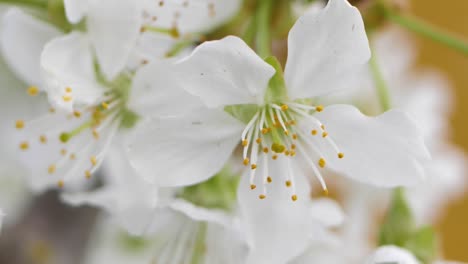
(192, 16)
(226, 72)
(186, 150)
(386, 150)
(158, 90)
(67, 62)
(75, 10)
(22, 39)
(392, 254)
(113, 32)
(324, 47)
(278, 229)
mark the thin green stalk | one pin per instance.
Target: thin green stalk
(380, 84)
(264, 13)
(427, 30)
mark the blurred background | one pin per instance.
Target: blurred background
(453, 16)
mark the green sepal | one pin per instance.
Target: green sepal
(423, 244)
(128, 118)
(276, 91)
(399, 223)
(219, 192)
(243, 113)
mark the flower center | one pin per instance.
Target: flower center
(75, 141)
(273, 131)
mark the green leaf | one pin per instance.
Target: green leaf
(398, 225)
(423, 244)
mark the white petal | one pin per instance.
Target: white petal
(186, 150)
(67, 62)
(324, 47)
(22, 39)
(158, 90)
(278, 229)
(113, 32)
(195, 16)
(201, 214)
(75, 10)
(446, 181)
(327, 212)
(386, 150)
(392, 254)
(226, 72)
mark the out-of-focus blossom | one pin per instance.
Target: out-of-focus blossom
(394, 254)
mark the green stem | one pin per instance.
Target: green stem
(264, 13)
(427, 30)
(32, 3)
(380, 84)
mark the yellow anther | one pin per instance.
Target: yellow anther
(105, 105)
(259, 140)
(253, 166)
(340, 155)
(72, 156)
(245, 142)
(292, 122)
(43, 139)
(87, 174)
(325, 191)
(265, 150)
(253, 186)
(294, 198)
(77, 113)
(19, 124)
(294, 136)
(284, 107)
(60, 184)
(246, 161)
(95, 134)
(286, 132)
(265, 130)
(93, 160)
(63, 152)
(67, 98)
(322, 127)
(324, 134)
(68, 90)
(278, 148)
(24, 145)
(269, 179)
(51, 169)
(287, 152)
(313, 132)
(319, 108)
(274, 157)
(293, 146)
(322, 163)
(293, 153)
(262, 196)
(33, 91)
(288, 183)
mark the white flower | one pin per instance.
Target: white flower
(392, 254)
(227, 75)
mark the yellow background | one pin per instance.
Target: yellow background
(451, 15)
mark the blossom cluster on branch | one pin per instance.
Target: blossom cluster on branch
(206, 140)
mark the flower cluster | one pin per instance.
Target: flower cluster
(205, 147)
